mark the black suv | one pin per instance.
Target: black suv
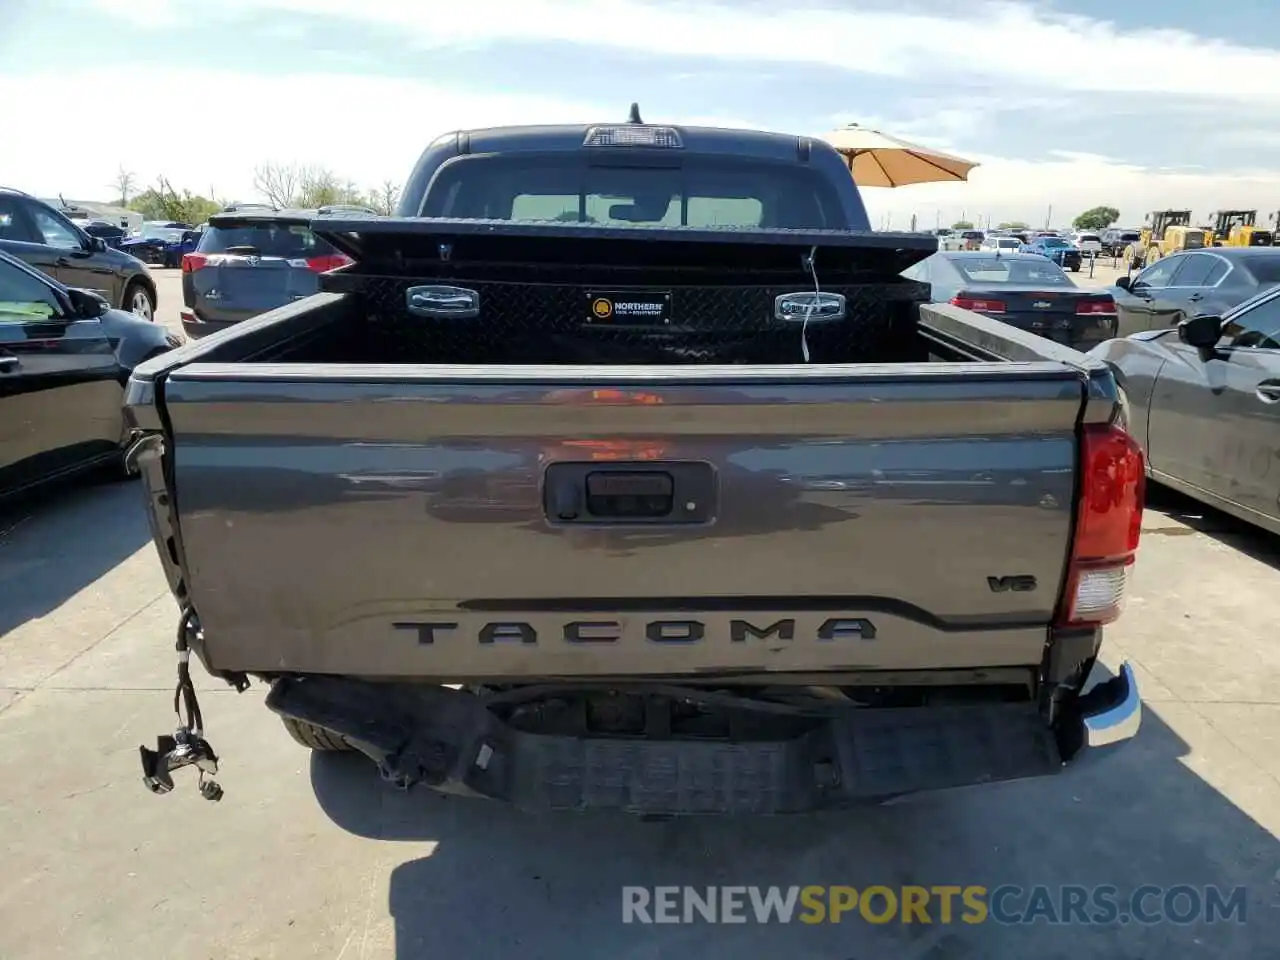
(250, 261)
(36, 233)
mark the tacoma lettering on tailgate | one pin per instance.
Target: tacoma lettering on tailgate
(656, 631)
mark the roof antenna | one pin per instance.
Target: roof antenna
(635, 114)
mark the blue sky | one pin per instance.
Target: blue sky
(1064, 104)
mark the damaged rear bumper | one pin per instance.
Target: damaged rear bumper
(1111, 713)
(448, 740)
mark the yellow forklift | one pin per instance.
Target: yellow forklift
(1238, 228)
(1165, 232)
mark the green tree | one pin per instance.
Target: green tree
(1096, 218)
(962, 225)
(1012, 225)
(162, 202)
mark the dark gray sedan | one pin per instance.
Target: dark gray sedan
(1192, 283)
(1205, 404)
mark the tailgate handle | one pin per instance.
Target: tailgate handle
(650, 493)
(443, 301)
(628, 493)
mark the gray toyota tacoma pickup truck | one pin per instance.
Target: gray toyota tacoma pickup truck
(621, 468)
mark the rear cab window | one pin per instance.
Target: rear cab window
(692, 191)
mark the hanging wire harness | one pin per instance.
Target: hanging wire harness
(186, 747)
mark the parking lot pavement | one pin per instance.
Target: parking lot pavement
(168, 296)
(315, 857)
(308, 857)
(1105, 271)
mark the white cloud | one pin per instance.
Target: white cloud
(972, 42)
(153, 13)
(359, 128)
(366, 128)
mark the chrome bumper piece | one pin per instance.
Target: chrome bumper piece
(1114, 710)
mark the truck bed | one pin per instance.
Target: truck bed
(346, 507)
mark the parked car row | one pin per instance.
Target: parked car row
(1194, 340)
(77, 314)
(42, 237)
(1200, 366)
(65, 356)
(1068, 251)
(162, 242)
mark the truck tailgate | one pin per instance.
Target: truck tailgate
(401, 521)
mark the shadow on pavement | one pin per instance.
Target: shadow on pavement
(500, 882)
(56, 542)
(1250, 540)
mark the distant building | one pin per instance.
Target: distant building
(130, 220)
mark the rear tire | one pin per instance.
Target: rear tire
(315, 738)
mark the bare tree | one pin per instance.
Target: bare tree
(124, 184)
(350, 193)
(318, 186)
(385, 197)
(279, 183)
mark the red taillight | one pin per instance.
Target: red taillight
(191, 262)
(978, 304)
(331, 262)
(1092, 308)
(1108, 525)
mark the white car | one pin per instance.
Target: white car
(1001, 244)
(963, 240)
(1090, 244)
